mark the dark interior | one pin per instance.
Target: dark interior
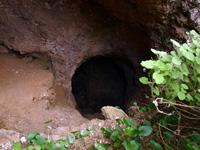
(99, 82)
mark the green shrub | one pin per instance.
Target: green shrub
(40, 143)
(129, 138)
(176, 75)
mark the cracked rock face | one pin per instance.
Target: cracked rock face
(70, 32)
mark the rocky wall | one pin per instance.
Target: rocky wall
(71, 32)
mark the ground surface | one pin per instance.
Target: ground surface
(25, 94)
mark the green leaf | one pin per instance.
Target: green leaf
(175, 43)
(198, 60)
(101, 146)
(161, 65)
(156, 145)
(184, 69)
(184, 86)
(166, 58)
(106, 146)
(144, 80)
(185, 46)
(51, 145)
(47, 122)
(119, 121)
(38, 147)
(181, 95)
(62, 148)
(149, 64)
(146, 123)
(184, 91)
(198, 71)
(195, 43)
(39, 140)
(177, 61)
(31, 135)
(151, 106)
(168, 135)
(163, 122)
(187, 145)
(117, 128)
(74, 132)
(42, 147)
(108, 131)
(84, 133)
(70, 139)
(128, 122)
(102, 129)
(189, 56)
(145, 130)
(30, 147)
(170, 94)
(189, 97)
(173, 53)
(78, 135)
(156, 91)
(169, 147)
(194, 33)
(91, 129)
(173, 118)
(159, 79)
(135, 103)
(175, 87)
(186, 79)
(172, 100)
(64, 143)
(197, 96)
(16, 146)
(128, 131)
(176, 74)
(158, 52)
(131, 145)
(115, 136)
(143, 109)
(117, 107)
(195, 136)
(165, 73)
(92, 148)
(115, 144)
(169, 66)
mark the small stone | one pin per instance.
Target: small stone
(23, 140)
(110, 112)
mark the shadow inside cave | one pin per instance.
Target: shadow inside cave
(100, 81)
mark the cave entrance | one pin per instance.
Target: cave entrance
(98, 82)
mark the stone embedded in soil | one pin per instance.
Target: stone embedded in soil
(110, 112)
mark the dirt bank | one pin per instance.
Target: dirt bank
(26, 94)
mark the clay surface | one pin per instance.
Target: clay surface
(26, 94)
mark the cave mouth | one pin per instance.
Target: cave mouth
(98, 82)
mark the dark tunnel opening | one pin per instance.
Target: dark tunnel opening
(100, 81)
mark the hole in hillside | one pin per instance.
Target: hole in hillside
(185, 14)
(100, 81)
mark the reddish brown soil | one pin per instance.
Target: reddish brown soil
(21, 82)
